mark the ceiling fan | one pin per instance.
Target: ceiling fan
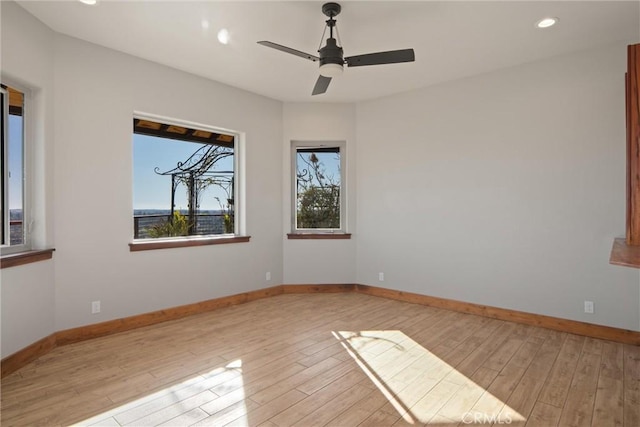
(331, 57)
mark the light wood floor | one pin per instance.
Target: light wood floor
(330, 359)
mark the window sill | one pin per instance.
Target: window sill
(26, 257)
(624, 255)
(149, 245)
(318, 236)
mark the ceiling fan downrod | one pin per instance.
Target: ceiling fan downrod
(331, 55)
(331, 10)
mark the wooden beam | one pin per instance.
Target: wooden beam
(151, 128)
(147, 124)
(16, 101)
(633, 145)
(16, 98)
(625, 251)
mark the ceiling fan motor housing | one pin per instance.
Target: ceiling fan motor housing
(331, 53)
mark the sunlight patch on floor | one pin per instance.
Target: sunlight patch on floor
(191, 399)
(420, 386)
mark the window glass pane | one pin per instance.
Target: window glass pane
(318, 185)
(16, 162)
(13, 178)
(181, 187)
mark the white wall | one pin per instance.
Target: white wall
(27, 292)
(28, 308)
(505, 189)
(97, 91)
(319, 261)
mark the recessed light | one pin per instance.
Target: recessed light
(205, 24)
(546, 22)
(89, 2)
(223, 36)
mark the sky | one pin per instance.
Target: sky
(15, 161)
(330, 166)
(153, 191)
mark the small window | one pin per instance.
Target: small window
(318, 187)
(184, 180)
(12, 153)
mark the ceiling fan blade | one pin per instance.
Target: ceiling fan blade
(321, 85)
(289, 50)
(389, 57)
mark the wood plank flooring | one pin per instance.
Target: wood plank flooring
(330, 360)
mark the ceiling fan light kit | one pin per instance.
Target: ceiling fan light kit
(331, 70)
(331, 55)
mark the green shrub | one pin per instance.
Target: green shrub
(176, 226)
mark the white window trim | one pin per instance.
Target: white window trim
(238, 166)
(27, 178)
(342, 146)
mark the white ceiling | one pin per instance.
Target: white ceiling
(451, 39)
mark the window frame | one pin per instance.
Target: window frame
(342, 149)
(626, 251)
(26, 171)
(239, 234)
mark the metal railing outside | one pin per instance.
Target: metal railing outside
(205, 224)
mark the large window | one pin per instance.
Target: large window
(12, 153)
(184, 180)
(318, 187)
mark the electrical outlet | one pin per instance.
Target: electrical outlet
(588, 307)
(268, 276)
(381, 277)
(95, 307)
